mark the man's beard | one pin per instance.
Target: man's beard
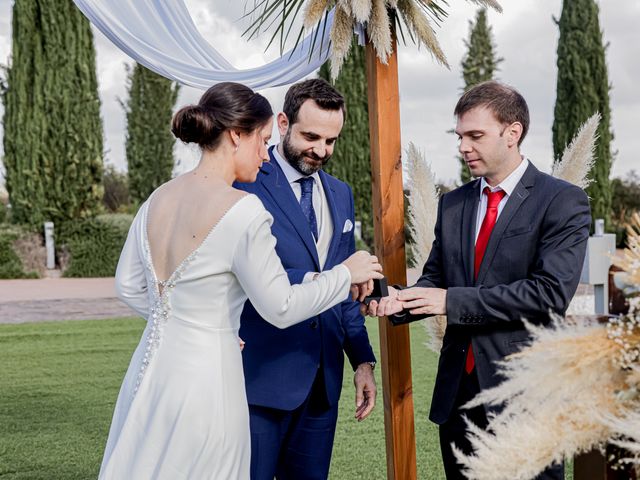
(297, 159)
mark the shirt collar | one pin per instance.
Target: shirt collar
(292, 175)
(510, 183)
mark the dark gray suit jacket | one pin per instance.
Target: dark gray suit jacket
(531, 266)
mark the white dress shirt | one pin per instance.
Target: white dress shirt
(508, 185)
(320, 205)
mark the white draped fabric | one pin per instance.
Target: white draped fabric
(161, 35)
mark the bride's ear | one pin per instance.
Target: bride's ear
(235, 139)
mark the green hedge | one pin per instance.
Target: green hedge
(4, 213)
(11, 265)
(93, 246)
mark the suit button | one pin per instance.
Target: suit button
(313, 324)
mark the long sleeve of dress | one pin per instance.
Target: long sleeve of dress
(131, 282)
(264, 280)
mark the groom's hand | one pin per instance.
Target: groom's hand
(365, 390)
(387, 305)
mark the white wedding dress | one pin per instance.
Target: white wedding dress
(182, 410)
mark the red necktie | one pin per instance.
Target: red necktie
(490, 217)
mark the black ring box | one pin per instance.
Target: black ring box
(380, 289)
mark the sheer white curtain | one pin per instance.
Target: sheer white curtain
(161, 35)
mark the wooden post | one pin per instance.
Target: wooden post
(388, 208)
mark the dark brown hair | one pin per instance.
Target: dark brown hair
(316, 89)
(504, 101)
(225, 106)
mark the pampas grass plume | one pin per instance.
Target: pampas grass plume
(418, 22)
(346, 6)
(361, 10)
(423, 210)
(379, 30)
(577, 158)
(313, 12)
(341, 38)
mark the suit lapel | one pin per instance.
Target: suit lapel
(335, 218)
(277, 187)
(512, 206)
(467, 232)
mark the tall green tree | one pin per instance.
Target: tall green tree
(582, 89)
(351, 161)
(52, 126)
(478, 65)
(149, 143)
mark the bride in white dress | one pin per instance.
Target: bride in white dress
(195, 251)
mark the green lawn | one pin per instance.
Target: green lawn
(59, 382)
(359, 451)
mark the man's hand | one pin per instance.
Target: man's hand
(418, 300)
(387, 305)
(361, 290)
(365, 391)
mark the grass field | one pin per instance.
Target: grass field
(59, 382)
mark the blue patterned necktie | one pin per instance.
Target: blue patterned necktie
(306, 203)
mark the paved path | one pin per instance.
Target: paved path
(56, 288)
(23, 301)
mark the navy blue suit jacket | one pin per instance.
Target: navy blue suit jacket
(280, 365)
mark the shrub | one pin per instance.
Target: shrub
(91, 248)
(21, 253)
(116, 190)
(4, 214)
(626, 201)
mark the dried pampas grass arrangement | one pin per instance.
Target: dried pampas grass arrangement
(374, 15)
(577, 159)
(576, 387)
(423, 211)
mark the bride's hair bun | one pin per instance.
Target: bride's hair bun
(193, 124)
(223, 107)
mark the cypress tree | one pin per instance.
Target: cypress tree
(149, 143)
(478, 65)
(52, 126)
(582, 89)
(351, 162)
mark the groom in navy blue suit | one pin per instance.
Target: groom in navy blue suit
(294, 376)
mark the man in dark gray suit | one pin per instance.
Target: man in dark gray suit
(508, 245)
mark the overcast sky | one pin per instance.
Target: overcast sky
(524, 34)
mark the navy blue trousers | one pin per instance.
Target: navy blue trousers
(293, 445)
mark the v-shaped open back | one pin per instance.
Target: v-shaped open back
(186, 257)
